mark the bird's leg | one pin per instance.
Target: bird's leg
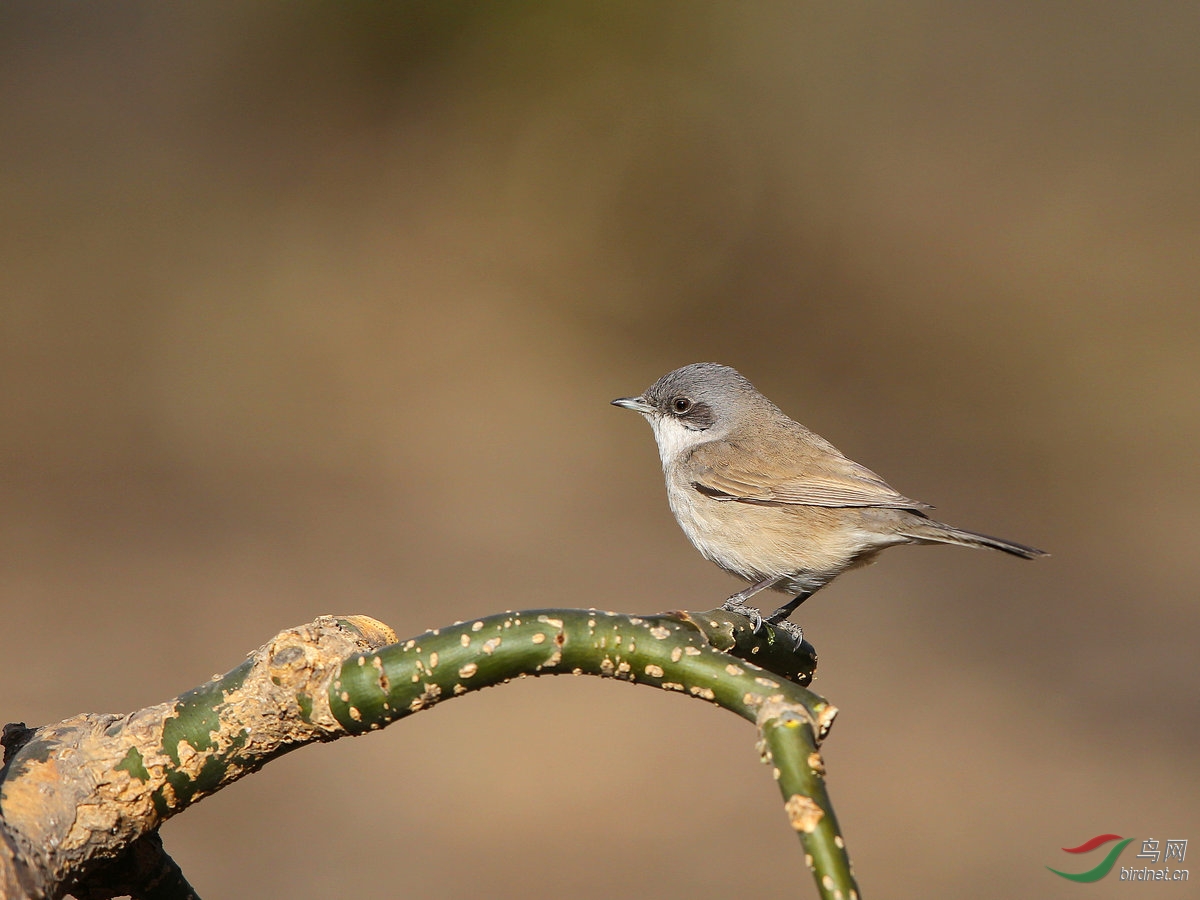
(781, 614)
(740, 598)
(737, 603)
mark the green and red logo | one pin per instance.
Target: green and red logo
(1154, 851)
(1105, 865)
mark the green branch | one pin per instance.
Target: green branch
(681, 652)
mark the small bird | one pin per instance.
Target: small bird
(770, 501)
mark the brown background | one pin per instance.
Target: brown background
(318, 308)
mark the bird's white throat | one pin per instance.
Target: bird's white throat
(675, 439)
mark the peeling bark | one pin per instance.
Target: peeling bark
(78, 794)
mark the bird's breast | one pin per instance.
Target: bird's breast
(756, 541)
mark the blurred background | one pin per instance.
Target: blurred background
(317, 308)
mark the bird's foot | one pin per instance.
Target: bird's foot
(735, 604)
(791, 628)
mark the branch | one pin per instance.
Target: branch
(77, 797)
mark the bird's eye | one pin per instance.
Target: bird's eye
(681, 405)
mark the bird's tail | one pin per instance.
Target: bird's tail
(931, 532)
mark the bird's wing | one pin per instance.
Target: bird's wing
(822, 477)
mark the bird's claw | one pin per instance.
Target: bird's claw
(737, 606)
(757, 620)
(791, 628)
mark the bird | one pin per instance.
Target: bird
(770, 501)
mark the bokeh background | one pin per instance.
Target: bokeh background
(313, 308)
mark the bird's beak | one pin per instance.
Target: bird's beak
(637, 404)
